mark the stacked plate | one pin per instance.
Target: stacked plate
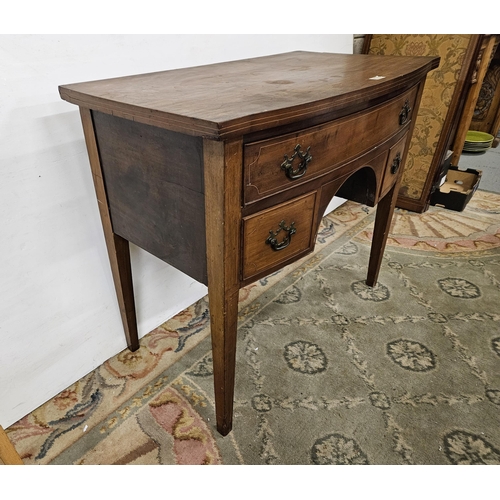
(477, 142)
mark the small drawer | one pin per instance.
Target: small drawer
(273, 236)
(394, 165)
(273, 165)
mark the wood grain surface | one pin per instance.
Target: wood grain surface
(331, 145)
(239, 97)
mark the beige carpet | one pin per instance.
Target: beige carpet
(329, 371)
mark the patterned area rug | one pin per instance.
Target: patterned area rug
(329, 371)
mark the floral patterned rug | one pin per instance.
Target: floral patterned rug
(329, 371)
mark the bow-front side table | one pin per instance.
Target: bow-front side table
(224, 171)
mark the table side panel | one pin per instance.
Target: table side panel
(155, 189)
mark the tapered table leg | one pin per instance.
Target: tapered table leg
(118, 248)
(119, 257)
(223, 324)
(222, 173)
(383, 220)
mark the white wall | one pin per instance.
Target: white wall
(58, 314)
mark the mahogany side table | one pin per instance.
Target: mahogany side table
(224, 171)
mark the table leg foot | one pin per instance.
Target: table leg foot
(225, 428)
(224, 323)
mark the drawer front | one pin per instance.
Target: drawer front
(273, 236)
(394, 165)
(276, 164)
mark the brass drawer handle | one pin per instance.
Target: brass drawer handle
(272, 238)
(287, 165)
(396, 163)
(404, 115)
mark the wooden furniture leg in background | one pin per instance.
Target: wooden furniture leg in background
(8, 453)
(222, 218)
(118, 247)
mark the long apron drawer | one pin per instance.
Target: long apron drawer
(273, 165)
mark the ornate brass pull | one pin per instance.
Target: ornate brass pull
(272, 238)
(287, 165)
(404, 115)
(396, 163)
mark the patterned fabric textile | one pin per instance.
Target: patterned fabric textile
(329, 371)
(436, 97)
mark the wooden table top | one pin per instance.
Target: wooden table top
(238, 97)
